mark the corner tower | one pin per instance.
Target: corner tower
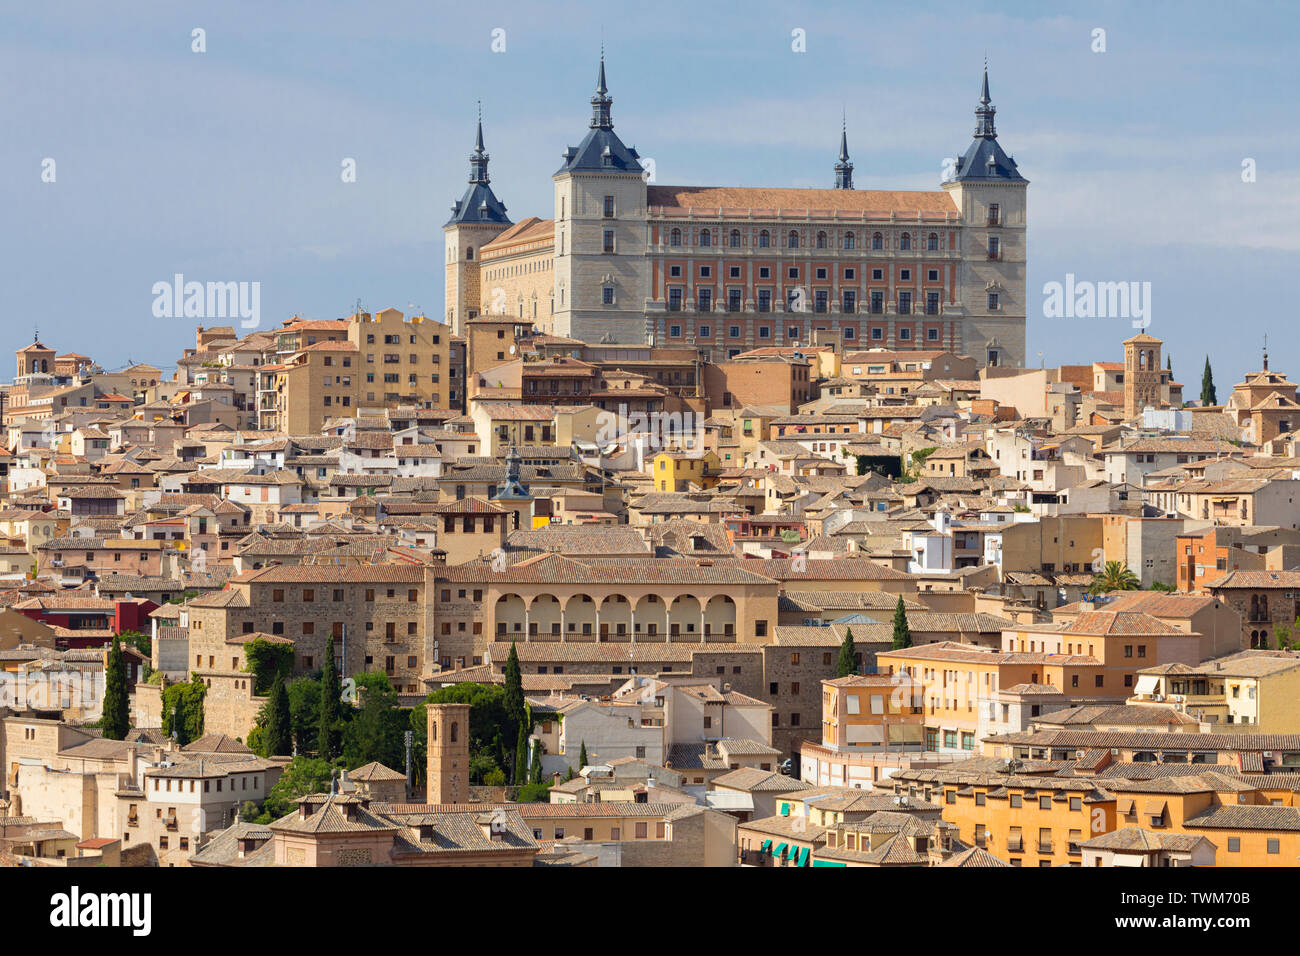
(476, 218)
(990, 194)
(601, 271)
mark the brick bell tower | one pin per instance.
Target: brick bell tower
(448, 766)
(1141, 374)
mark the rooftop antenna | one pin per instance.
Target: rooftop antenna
(1265, 351)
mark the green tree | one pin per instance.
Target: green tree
(496, 777)
(329, 734)
(375, 731)
(902, 632)
(266, 662)
(535, 768)
(1114, 576)
(534, 793)
(117, 708)
(304, 712)
(182, 710)
(514, 699)
(568, 775)
(848, 662)
(277, 727)
(521, 757)
(248, 811)
(582, 756)
(1208, 395)
(301, 776)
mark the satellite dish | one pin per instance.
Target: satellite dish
(512, 350)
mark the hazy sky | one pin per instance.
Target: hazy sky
(225, 165)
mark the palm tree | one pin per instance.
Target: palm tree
(1115, 576)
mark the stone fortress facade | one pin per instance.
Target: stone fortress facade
(727, 269)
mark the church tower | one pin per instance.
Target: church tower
(476, 218)
(1142, 374)
(601, 270)
(990, 195)
(448, 747)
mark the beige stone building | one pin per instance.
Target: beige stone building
(728, 269)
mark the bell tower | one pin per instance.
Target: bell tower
(448, 765)
(1141, 374)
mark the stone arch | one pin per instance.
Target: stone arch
(510, 614)
(685, 618)
(580, 618)
(719, 617)
(651, 617)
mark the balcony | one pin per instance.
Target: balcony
(1015, 845)
(1044, 847)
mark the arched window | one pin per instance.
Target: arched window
(735, 238)
(469, 252)
(821, 240)
(675, 238)
(933, 242)
(850, 242)
(793, 239)
(905, 241)
(764, 239)
(877, 241)
(706, 237)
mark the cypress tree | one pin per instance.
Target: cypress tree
(848, 662)
(514, 696)
(277, 735)
(535, 771)
(1208, 394)
(582, 756)
(329, 739)
(902, 633)
(521, 757)
(117, 709)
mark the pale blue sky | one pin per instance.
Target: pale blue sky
(225, 165)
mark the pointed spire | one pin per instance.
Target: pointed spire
(984, 112)
(478, 160)
(844, 168)
(601, 102)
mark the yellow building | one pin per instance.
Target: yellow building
(1258, 689)
(871, 711)
(677, 471)
(401, 361)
